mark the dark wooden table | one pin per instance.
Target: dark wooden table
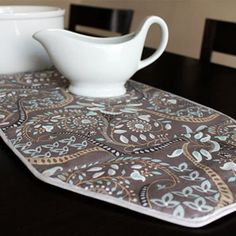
(31, 207)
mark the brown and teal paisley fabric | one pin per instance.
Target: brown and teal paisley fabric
(148, 148)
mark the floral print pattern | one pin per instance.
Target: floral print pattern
(149, 147)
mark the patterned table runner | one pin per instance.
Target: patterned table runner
(149, 150)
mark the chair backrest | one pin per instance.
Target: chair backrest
(115, 20)
(218, 36)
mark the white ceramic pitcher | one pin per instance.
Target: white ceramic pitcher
(99, 67)
(18, 51)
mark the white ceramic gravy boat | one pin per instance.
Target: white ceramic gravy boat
(99, 67)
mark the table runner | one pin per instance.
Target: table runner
(149, 151)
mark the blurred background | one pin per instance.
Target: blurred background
(185, 18)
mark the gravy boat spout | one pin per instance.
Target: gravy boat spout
(100, 67)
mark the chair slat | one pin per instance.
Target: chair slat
(116, 20)
(218, 36)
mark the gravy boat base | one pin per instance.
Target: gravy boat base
(105, 92)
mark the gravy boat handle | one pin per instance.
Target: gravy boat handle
(164, 39)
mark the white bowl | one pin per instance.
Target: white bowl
(18, 51)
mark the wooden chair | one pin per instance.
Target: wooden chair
(218, 36)
(115, 20)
